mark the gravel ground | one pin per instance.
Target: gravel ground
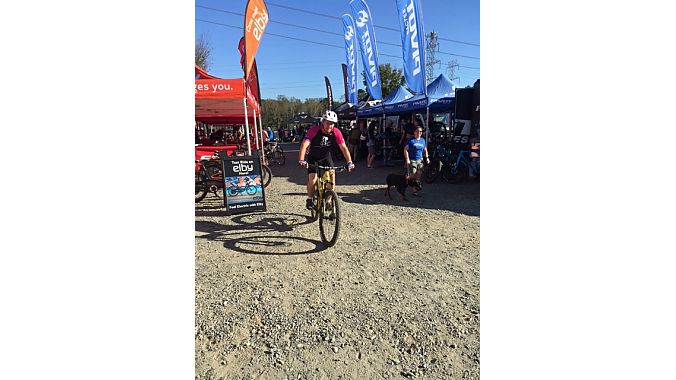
(397, 297)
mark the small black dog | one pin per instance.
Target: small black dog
(401, 182)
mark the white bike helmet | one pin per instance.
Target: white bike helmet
(330, 116)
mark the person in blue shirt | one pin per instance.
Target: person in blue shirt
(415, 151)
(271, 134)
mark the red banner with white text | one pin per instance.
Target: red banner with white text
(255, 20)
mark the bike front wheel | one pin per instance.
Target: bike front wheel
(267, 175)
(329, 218)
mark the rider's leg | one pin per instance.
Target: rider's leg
(311, 178)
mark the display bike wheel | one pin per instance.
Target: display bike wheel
(201, 188)
(431, 171)
(251, 189)
(329, 218)
(457, 172)
(279, 157)
(266, 174)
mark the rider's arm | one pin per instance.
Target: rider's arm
(303, 147)
(406, 154)
(346, 152)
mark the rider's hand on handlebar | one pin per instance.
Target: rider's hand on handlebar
(349, 166)
(302, 163)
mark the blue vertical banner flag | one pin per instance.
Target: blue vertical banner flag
(369, 49)
(413, 44)
(349, 32)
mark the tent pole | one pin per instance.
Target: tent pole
(260, 120)
(260, 132)
(255, 129)
(449, 127)
(246, 125)
(427, 129)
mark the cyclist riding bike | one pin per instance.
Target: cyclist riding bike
(321, 139)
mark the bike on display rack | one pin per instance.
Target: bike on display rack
(326, 205)
(440, 160)
(275, 153)
(452, 166)
(209, 175)
(466, 162)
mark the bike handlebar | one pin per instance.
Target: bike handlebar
(337, 168)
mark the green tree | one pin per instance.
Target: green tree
(202, 53)
(390, 78)
(361, 93)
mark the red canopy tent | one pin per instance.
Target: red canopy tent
(223, 101)
(220, 101)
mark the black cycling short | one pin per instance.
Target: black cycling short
(324, 161)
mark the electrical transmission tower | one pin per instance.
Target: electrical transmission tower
(432, 47)
(451, 68)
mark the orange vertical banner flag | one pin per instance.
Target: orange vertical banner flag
(255, 20)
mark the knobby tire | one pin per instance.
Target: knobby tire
(328, 222)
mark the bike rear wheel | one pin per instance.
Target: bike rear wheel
(329, 218)
(201, 188)
(266, 174)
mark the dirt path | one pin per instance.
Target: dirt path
(397, 297)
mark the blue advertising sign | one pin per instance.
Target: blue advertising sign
(369, 49)
(413, 44)
(349, 32)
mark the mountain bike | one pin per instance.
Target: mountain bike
(440, 160)
(326, 205)
(208, 176)
(463, 165)
(275, 153)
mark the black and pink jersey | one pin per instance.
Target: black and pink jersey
(320, 143)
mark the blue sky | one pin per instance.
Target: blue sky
(296, 68)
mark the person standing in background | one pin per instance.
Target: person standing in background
(371, 136)
(355, 139)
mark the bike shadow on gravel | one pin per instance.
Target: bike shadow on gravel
(461, 198)
(250, 233)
